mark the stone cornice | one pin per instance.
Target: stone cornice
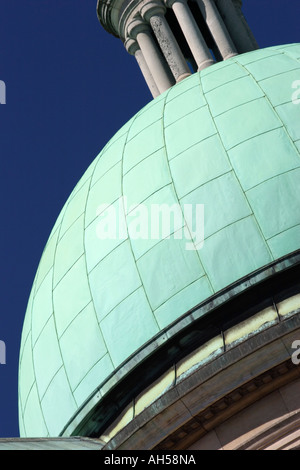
(115, 15)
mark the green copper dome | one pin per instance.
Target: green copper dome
(228, 138)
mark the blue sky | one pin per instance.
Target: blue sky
(70, 87)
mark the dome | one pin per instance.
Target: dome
(226, 140)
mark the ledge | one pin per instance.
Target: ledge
(260, 290)
(214, 392)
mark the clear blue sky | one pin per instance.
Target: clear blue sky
(70, 87)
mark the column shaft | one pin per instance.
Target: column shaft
(217, 28)
(146, 73)
(236, 26)
(192, 34)
(169, 47)
(132, 47)
(238, 6)
(155, 61)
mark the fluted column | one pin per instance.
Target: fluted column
(157, 66)
(236, 26)
(153, 13)
(217, 28)
(133, 48)
(192, 33)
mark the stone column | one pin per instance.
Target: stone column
(236, 26)
(133, 48)
(157, 66)
(238, 6)
(153, 13)
(192, 33)
(217, 28)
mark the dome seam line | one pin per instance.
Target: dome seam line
(85, 263)
(238, 180)
(129, 240)
(273, 178)
(274, 107)
(174, 188)
(283, 231)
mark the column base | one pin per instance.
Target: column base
(205, 64)
(183, 76)
(232, 54)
